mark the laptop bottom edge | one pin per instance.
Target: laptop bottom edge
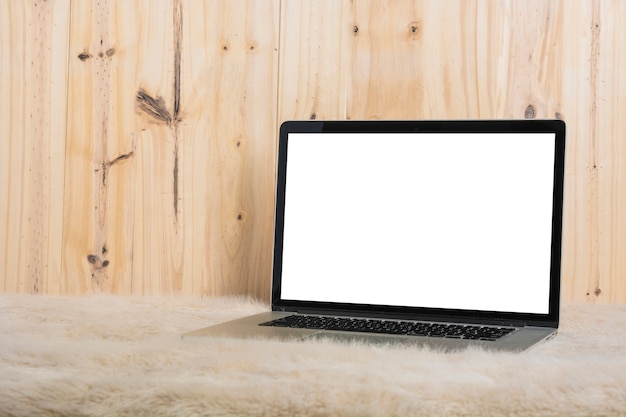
(249, 328)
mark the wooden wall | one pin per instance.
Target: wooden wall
(138, 138)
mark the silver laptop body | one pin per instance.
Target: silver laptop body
(443, 224)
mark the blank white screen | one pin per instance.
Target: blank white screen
(459, 221)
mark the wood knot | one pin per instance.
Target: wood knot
(241, 216)
(414, 29)
(153, 107)
(529, 113)
(355, 30)
(96, 262)
(596, 292)
(83, 56)
(238, 144)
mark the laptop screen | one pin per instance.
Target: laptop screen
(441, 220)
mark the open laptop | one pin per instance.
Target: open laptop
(437, 233)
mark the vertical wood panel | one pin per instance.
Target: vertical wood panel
(593, 96)
(33, 84)
(609, 124)
(579, 62)
(100, 147)
(315, 52)
(229, 124)
(157, 225)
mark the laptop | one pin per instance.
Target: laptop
(444, 234)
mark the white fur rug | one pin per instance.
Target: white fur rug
(114, 356)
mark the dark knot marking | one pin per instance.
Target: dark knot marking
(414, 30)
(95, 259)
(84, 56)
(153, 107)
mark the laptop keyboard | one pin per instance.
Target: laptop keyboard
(393, 327)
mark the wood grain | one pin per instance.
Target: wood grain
(137, 138)
(230, 90)
(491, 59)
(97, 245)
(173, 181)
(157, 226)
(407, 59)
(594, 55)
(33, 84)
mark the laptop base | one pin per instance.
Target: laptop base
(248, 328)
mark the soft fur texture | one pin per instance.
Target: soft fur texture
(115, 356)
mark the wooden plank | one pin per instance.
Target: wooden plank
(97, 245)
(609, 126)
(579, 61)
(33, 82)
(228, 107)
(157, 228)
(593, 97)
(394, 40)
(315, 54)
